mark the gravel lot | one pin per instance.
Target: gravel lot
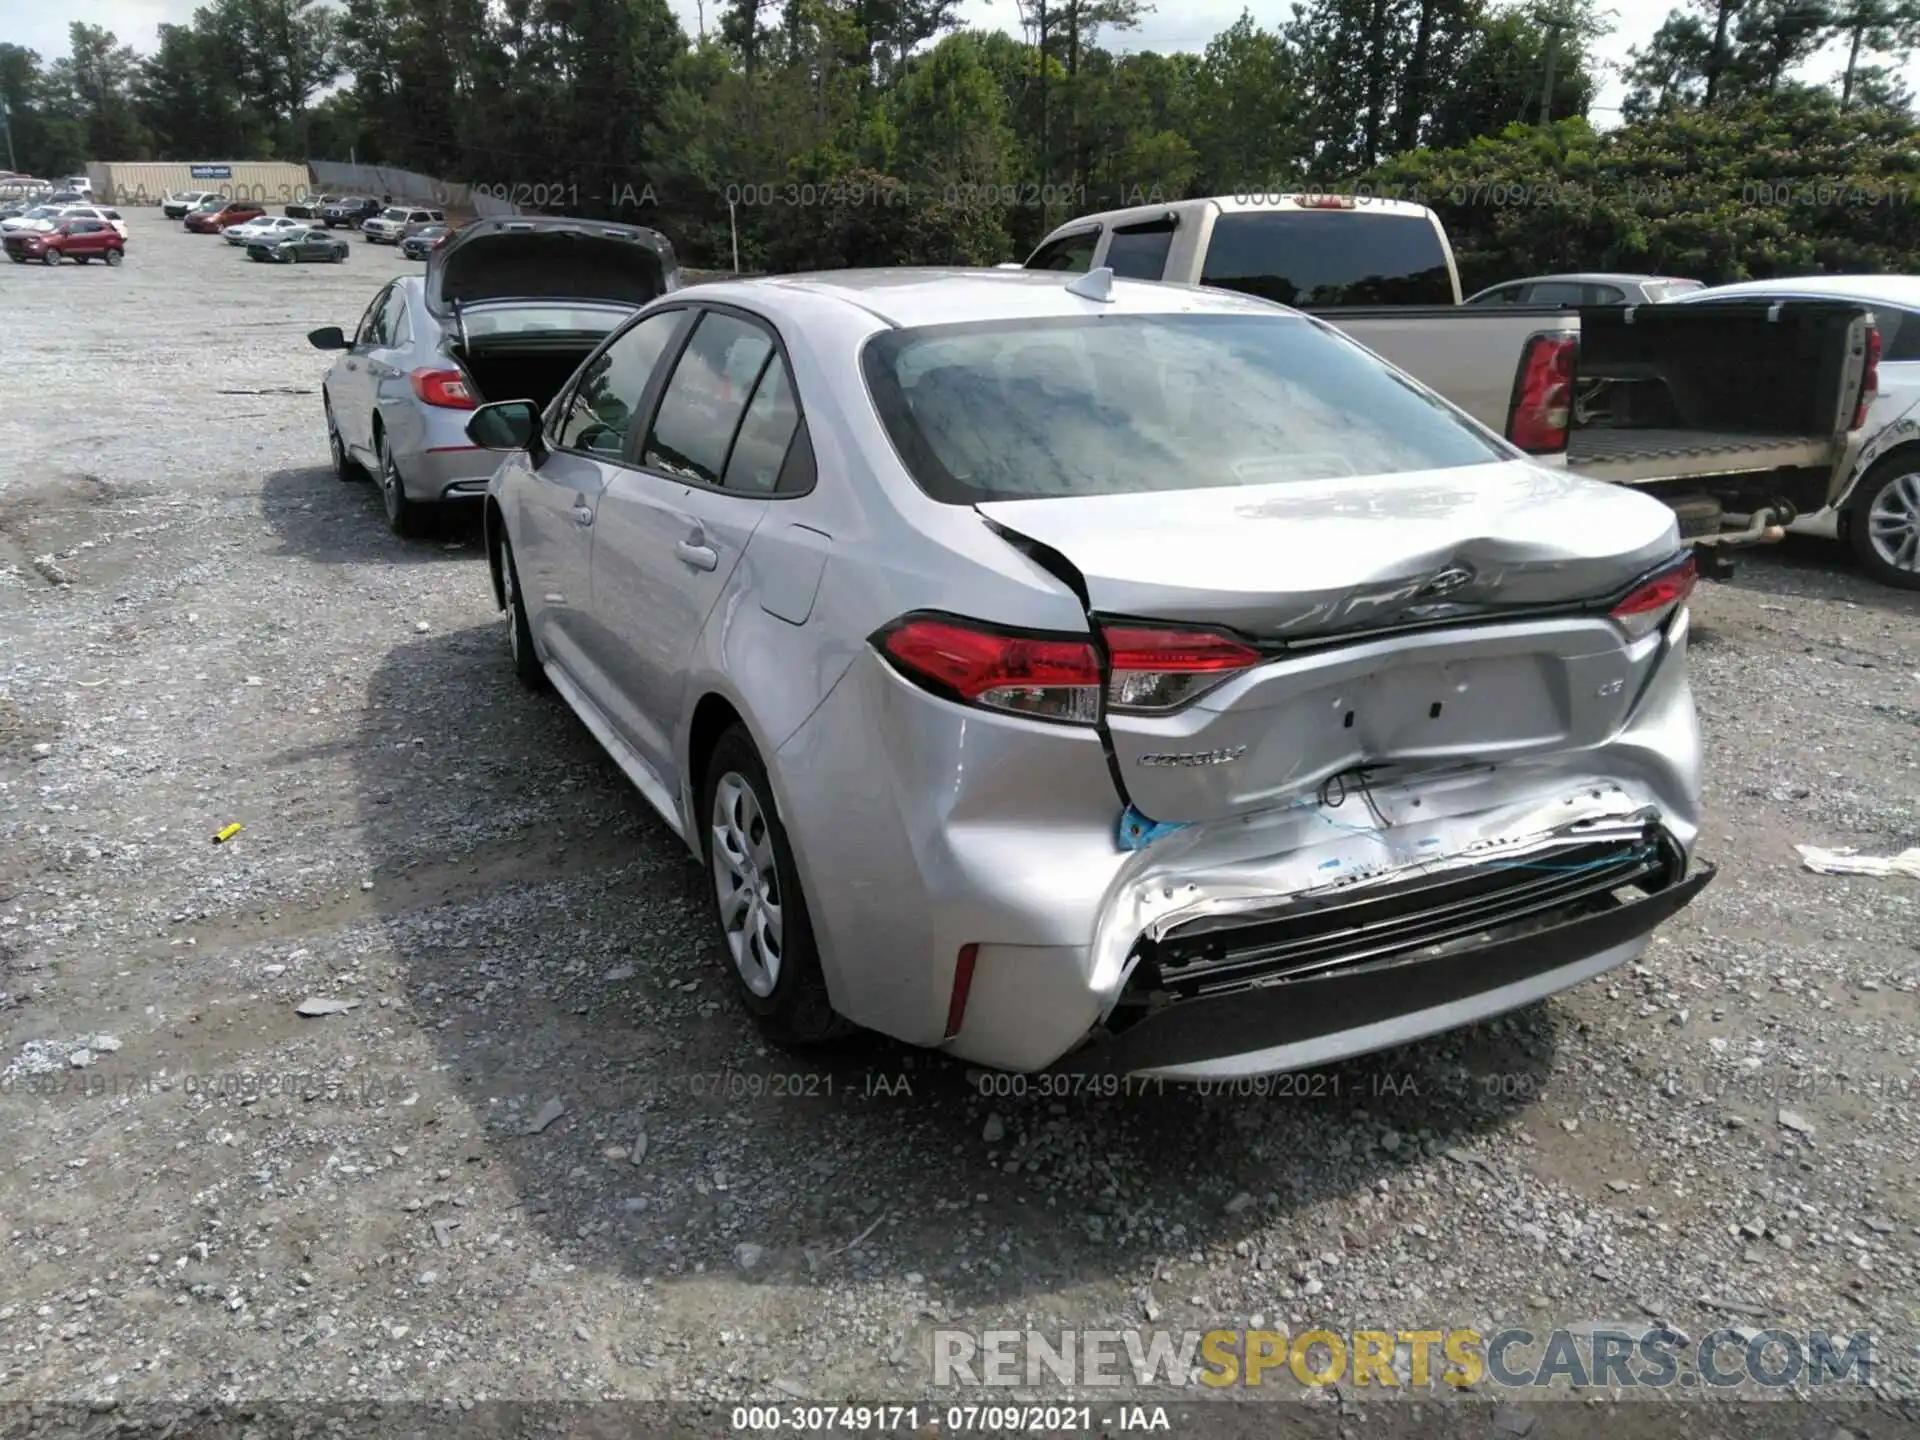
(507, 1173)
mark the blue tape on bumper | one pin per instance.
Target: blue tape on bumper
(1137, 832)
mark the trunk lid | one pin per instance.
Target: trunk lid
(548, 258)
(1406, 620)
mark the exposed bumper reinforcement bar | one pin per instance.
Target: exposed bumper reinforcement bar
(1364, 1003)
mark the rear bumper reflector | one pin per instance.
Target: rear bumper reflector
(962, 983)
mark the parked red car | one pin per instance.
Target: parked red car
(212, 222)
(84, 240)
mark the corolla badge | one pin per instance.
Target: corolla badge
(1447, 581)
(1195, 757)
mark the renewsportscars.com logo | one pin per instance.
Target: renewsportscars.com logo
(1630, 1356)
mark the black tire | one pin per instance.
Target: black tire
(527, 668)
(114, 257)
(51, 257)
(344, 465)
(1893, 485)
(795, 1011)
(18, 259)
(406, 518)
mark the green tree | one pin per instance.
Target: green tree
(95, 85)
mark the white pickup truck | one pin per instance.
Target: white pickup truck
(1741, 417)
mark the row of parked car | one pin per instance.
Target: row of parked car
(304, 232)
(61, 225)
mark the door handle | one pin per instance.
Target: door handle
(700, 557)
(583, 514)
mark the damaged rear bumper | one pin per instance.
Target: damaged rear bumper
(1319, 1018)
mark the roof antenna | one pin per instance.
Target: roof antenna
(1094, 285)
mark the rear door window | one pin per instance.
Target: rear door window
(706, 398)
(1503, 295)
(1139, 252)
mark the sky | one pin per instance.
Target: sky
(1177, 25)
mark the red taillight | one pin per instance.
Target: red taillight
(962, 985)
(1869, 378)
(1543, 396)
(1647, 606)
(1157, 670)
(1046, 677)
(1150, 670)
(445, 388)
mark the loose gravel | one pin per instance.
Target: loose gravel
(426, 1084)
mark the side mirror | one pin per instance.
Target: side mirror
(505, 425)
(328, 337)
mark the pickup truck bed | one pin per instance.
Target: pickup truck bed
(1467, 353)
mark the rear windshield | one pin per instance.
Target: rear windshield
(1329, 257)
(1658, 290)
(1012, 410)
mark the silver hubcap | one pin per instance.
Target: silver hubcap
(1893, 523)
(746, 881)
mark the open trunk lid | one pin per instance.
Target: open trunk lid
(547, 257)
(1444, 616)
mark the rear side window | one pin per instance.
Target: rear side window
(1557, 292)
(1070, 254)
(706, 399)
(1329, 257)
(1009, 410)
(1899, 333)
(370, 331)
(1139, 252)
(1505, 295)
(766, 430)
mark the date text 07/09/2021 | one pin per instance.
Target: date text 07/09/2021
(880, 1420)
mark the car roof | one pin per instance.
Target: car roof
(1892, 289)
(1590, 277)
(911, 296)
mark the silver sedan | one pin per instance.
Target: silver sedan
(1139, 679)
(508, 308)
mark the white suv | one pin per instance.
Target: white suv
(392, 223)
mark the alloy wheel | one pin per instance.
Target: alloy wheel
(746, 878)
(1893, 522)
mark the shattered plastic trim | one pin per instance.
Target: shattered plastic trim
(1263, 862)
